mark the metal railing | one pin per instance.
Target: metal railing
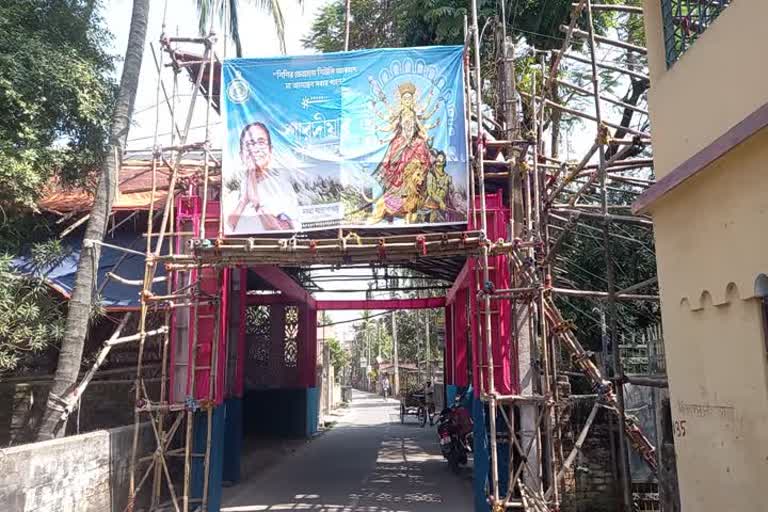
(684, 21)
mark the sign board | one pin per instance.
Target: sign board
(370, 138)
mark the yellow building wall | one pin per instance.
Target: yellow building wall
(715, 84)
(718, 401)
(712, 243)
(713, 229)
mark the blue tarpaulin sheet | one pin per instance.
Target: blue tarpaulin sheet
(61, 276)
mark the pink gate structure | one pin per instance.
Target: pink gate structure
(240, 331)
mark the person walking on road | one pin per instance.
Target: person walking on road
(385, 386)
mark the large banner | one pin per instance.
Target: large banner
(372, 138)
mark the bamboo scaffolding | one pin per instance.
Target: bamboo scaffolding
(535, 181)
(602, 65)
(606, 40)
(528, 284)
(603, 97)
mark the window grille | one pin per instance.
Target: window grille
(258, 325)
(291, 349)
(684, 21)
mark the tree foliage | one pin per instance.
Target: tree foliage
(55, 95)
(339, 356)
(31, 315)
(411, 336)
(386, 23)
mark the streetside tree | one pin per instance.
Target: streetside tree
(81, 301)
(56, 93)
(55, 97)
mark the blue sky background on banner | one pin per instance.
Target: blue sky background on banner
(320, 115)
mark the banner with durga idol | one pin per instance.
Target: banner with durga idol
(370, 138)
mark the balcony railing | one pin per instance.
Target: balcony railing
(684, 21)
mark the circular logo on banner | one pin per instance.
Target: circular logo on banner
(238, 90)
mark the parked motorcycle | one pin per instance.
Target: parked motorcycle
(454, 429)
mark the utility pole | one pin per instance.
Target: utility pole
(347, 17)
(396, 376)
(368, 360)
(418, 346)
(428, 349)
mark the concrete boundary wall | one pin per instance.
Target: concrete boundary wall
(84, 473)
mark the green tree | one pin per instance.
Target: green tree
(55, 97)
(80, 304)
(373, 26)
(339, 356)
(228, 13)
(32, 316)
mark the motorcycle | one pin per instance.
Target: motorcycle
(454, 429)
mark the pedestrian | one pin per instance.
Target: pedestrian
(385, 386)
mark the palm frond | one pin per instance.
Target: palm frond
(206, 8)
(203, 15)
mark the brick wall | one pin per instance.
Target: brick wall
(85, 473)
(590, 486)
(105, 404)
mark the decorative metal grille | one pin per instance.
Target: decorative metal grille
(685, 21)
(258, 325)
(291, 349)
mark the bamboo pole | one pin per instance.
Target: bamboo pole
(602, 65)
(484, 254)
(588, 117)
(591, 38)
(605, 40)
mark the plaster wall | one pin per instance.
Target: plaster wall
(85, 473)
(716, 83)
(711, 249)
(717, 376)
(710, 231)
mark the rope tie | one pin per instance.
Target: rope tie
(421, 244)
(382, 249)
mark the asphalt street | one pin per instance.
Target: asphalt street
(367, 462)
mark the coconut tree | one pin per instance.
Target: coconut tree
(81, 302)
(228, 12)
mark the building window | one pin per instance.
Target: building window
(684, 21)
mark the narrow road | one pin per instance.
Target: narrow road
(367, 462)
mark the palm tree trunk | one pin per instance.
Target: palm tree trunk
(347, 16)
(80, 303)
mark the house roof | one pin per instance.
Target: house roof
(134, 187)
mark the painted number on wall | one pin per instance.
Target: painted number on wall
(680, 428)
